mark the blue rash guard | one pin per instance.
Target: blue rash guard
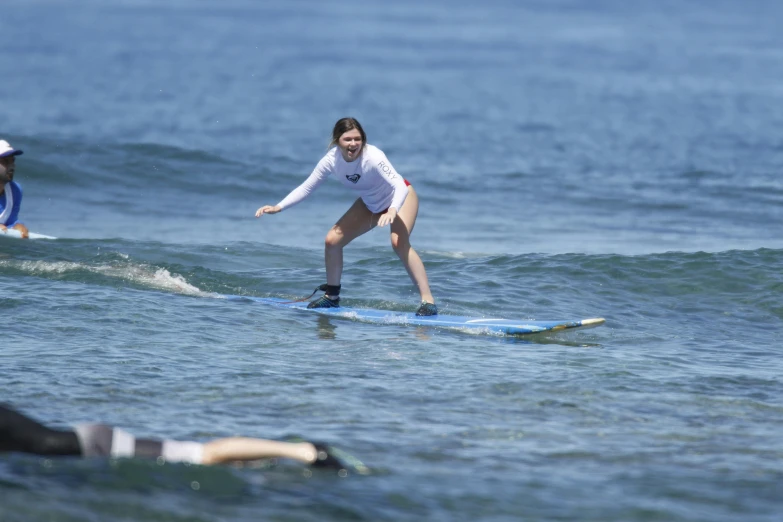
(10, 203)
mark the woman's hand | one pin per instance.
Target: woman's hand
(267, 209)
(387, 218)
(22, 230)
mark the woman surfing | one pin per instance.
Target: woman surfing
(385, 198)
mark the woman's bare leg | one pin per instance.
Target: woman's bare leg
(355, 222)
(400, 239)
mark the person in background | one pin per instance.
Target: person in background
(10, 191)
(19, 433)
(385, 198)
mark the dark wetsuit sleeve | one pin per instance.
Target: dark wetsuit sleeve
(23, 434)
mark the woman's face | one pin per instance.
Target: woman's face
(7, 166)
(350, 144)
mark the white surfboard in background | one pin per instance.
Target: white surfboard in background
(10, 232)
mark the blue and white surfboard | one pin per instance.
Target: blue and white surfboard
(484, 325)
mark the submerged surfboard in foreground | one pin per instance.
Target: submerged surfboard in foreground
(470, 324)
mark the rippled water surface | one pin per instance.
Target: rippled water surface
(573, 159)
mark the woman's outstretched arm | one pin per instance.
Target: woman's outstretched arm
(246, 448)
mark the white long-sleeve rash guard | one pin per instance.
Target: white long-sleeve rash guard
(371, 175)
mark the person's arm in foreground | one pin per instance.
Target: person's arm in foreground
(246, 448)
(237, 449)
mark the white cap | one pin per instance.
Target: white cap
(7, 150)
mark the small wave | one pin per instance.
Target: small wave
(42, 267)
(158, 278)
(143, 275)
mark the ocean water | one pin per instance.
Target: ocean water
(573, 159)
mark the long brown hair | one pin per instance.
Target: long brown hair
(342, 126)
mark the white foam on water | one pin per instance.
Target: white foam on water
(158, 278)
(144, 275)
(43, 267)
